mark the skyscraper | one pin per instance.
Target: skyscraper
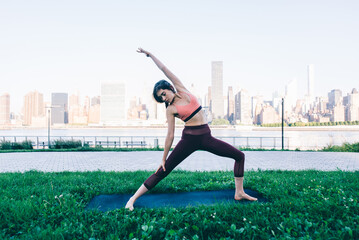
(74, 108)
(4, 109)
(334, 98)
(230, 109)
(59, 108)
(311, 82)
(291, 95)
(243, 109)
(33, 107)
(113, 103)
(352, 109)
(217, 89)
(94, 114)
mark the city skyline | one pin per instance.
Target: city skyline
(67, 46)
(112, 109)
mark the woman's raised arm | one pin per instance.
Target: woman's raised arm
(176, 82)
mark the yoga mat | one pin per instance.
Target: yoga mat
(176, 200)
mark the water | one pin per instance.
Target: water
(303, 138)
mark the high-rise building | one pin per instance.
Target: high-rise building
(59, 108)
(74, 108)
(217, 89)
(338, 114)
(5, 109)
(94, 113)
(33, 107)
(322, 105)
(95, 100)
(86, 107)
(230, 109)
(310, 92)
(268, 115)
(256, 107)
(291, 95)
(334, 98)
(113, 103)
(209, 99)
(243, 109)
(352, 109)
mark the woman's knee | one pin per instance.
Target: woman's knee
(240, 156)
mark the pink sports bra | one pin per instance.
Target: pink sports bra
(186, 112)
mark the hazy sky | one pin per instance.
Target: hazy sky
(65, 46)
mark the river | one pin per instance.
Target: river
(301, 137)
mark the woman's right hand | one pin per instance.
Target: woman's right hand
(162, 165)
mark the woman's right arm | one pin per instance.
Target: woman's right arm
(175, 80)
(169, 138)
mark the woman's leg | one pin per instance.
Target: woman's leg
(142, 190)
(183, 149)
(224, 149)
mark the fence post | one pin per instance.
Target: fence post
(261, 142)
(37, 142)
(287, 143)
(274, 142)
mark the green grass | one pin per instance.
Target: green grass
(302, 204)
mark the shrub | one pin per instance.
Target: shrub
(345, 147)
(7, 145)
(220, 122)
(66, 144)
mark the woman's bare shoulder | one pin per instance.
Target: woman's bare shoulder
(171, 109)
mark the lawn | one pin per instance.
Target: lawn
(302, 204)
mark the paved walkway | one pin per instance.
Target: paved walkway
(150, 160)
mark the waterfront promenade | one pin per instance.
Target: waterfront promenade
(198, 161)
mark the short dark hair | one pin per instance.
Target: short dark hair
(162, 84)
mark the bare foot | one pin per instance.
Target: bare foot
(242, 196)
(129, 204)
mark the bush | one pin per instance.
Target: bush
(345, 147)
(7, 145)
(66, 144)
(220, 122)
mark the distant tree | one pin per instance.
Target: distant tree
(220, 122)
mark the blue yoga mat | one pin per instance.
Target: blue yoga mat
(181, 199)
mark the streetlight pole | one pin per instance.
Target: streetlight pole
(282, 123)
(48, 128)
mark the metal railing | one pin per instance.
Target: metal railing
(146, 141)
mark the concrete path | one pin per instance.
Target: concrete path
(150, 160)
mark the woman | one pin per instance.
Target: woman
(196, 134)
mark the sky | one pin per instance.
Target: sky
(70, 46)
